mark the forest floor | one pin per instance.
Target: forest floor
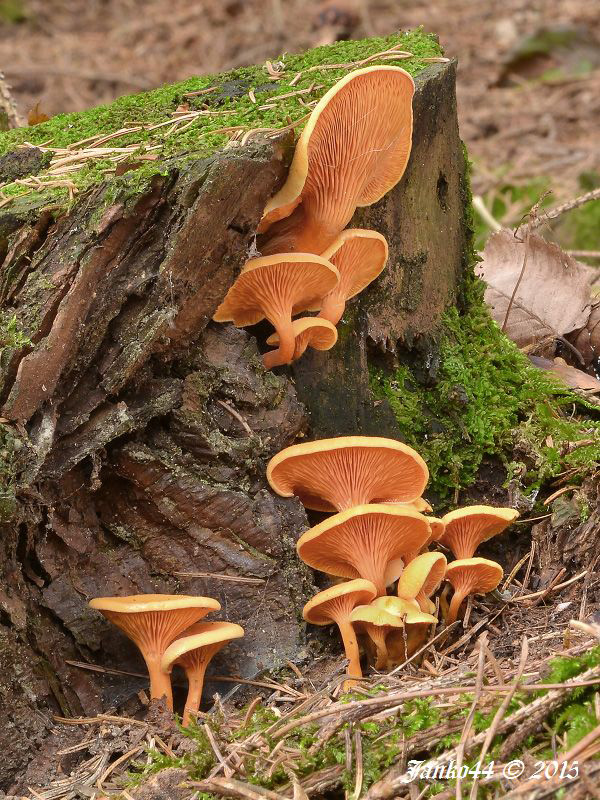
(529, 109)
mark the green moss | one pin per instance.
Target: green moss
(229, 105)
(488, 401)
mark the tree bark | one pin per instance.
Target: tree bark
(137, 432)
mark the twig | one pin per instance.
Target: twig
(236, 415)
(229, 787)
(568, 206)
(485, 213)
(8, 105)
(460, 750)
(358, 758)
(553, 587)
(221, 577)
(500, 713)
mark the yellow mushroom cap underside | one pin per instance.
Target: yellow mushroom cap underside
(143, 603)
(188, 647)
(359, 255)
(319, 333)
(424, 574)
(272, 286)
(409, 610)
(466, 528)
(365, 541)
(353, 149)
(474, 575)
(335, 474)
(371, 615)
(338, 601)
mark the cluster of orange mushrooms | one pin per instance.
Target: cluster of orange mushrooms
(379, 535)
(167, 631)
(353, 150)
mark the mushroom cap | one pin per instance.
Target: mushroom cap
(317, 332)
(474, 575)
(276, 285)
(152, 621)
(365, 541)
(467, 528)
(359, 255)
(409, 610)
(139, 603)
(187, 649)
(422, 505)
(353, 149)
(347, 471)
(437, 525)
(372, 615)
(327, 606)
(424, 574)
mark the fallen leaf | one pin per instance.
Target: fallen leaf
(587, 339)
(35, 115)
(571, 376)
(553, 298)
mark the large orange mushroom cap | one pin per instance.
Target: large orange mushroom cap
(335, 605)
(365, 541)
(318, 333)
(471, 576)
(276, 287)
(152, 621)
(359, 256)
(193, 650)
(353, 150)
(422, 577)
(336, 474)
(466, 528)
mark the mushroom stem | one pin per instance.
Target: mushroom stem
(332, 309)
(377, 635)
(455, 605)
(287, 344)
(350, 641)
(194, 695)
(160, 682)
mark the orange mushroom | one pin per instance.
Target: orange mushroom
(335, 605)
(471, 576)
(421, 578)
(352, 151)
(402, 643)
(320, 334)
(336, 474)
(466, 528)
(152, 621)
(366, 541)
(193, 650)
(276, 287)
(359, 256)
(377, 623)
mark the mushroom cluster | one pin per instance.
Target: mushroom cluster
(353, 150)
(167, 631)
(377, 541)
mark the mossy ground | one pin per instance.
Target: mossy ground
(230, 105)
(488, 401)
(383, 740)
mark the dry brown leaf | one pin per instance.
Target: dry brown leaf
(587, 339)
(553, 297)
(571, 376)
(36, 115)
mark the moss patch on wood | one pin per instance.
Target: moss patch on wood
(245, 97)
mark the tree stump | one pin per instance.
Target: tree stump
(135, 432)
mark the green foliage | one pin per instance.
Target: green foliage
(229, 103)
(509, 202)
(11, 334)
(488, 401)
(12, 12)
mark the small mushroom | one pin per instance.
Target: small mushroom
(335, 605)
(352, 151)
(320, 334)
(193, 650)
(421, 578)
(471, 576)
(276, 287)
(377, 623)
(337, 474)
(359, 256)
(403, 643)
(365, 541)
(152, 621)
(466, 528)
